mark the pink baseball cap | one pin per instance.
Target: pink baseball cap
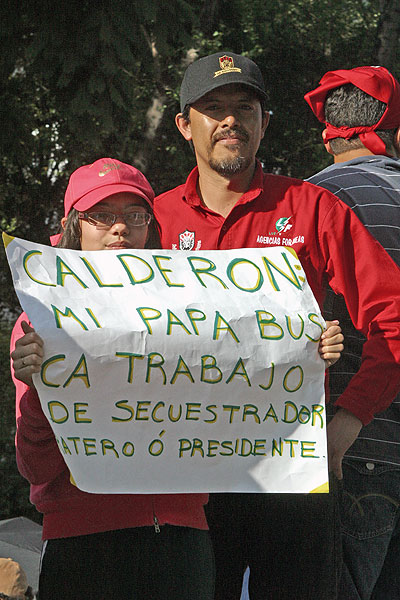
(90, 184)
(375, 81)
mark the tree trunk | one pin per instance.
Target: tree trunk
(388, 33)
(155, 111)
(208, 20)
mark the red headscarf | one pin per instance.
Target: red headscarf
(375, 81)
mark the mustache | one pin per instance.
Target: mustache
(238, 132)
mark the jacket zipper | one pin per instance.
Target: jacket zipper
(156, 524)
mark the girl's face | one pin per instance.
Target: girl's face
(120, 235)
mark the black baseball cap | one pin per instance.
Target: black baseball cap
(222, 68)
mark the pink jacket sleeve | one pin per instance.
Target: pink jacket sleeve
(38, 457)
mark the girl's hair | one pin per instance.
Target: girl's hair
(71, 234)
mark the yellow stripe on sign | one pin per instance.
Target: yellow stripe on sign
(298, 267)
(292, 251)
(7, 239)
(322, 489)
(72, 480)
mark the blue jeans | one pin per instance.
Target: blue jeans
(370, 516)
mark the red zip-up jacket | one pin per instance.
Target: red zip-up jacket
(333, 246)
(66, 510)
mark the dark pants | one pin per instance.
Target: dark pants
(129, 564)
(370, 514)
(291, 542)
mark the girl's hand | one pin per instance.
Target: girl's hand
(27, 357)
(331, 343)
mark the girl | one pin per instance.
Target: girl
(114, 546)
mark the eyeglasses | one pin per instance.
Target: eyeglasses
(105, 220)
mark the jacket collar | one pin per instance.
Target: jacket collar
(190, 195)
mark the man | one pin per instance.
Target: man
(361, 109)
(227, 202)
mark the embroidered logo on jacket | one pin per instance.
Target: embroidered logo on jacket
(274, 238)
(283, 224)
(186, 240)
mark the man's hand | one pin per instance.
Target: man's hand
(331, 343)
(342, 432)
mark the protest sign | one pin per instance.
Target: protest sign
(170, 371)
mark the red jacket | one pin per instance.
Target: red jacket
(333, 247)
(66, 510)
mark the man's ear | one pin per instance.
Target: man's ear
(265, 122)
(396, 141)
(63, 221)
(326, 142)
(183, 126)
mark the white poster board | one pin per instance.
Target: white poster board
(170, 371)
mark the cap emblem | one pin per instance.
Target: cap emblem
(227, 66)
(107, 167)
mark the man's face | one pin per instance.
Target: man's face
(226, 127)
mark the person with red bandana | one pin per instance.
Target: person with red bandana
(228, 202)
(361, 111)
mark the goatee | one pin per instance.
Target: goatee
(230, 166)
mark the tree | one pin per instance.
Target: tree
(80, 83)
(14, 497)
(388, 34)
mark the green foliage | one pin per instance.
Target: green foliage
(80, 82)
(295, 43)
(14, 497)
(7, 413)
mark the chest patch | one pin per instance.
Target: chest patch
(186, 240)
